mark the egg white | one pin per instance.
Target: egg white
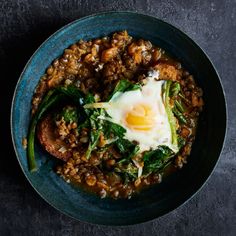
(151, 95)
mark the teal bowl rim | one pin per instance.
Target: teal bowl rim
(104, 13)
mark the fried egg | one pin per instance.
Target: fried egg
(142, 113)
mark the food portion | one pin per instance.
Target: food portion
(120, 113)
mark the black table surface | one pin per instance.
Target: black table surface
(25, 24)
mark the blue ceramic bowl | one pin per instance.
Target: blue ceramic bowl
(159, 199)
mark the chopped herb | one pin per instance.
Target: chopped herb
(70, 114)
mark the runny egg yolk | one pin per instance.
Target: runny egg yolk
(141, 117)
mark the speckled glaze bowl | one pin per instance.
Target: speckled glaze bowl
(159, 199)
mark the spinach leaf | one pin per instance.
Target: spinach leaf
(94, 137)
(180, 106)
(89, 98)
(179, 115)
(175, 89)
(129, 172)
(127, 148)
(113, 128)
(85, 123)
(78, 97)
(95, 126)
(72, 92)
(179, 109)
(169, 112)
(124, 145)
(124, 85)
(50, 99)
(95, 123)
(155, 160)
(135, 151)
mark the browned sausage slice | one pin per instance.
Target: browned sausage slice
(49, 139)
(167, 71)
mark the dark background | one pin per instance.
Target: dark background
(24, 25)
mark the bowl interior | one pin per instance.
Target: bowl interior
(175, 189)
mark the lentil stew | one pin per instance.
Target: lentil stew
(72, 120)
